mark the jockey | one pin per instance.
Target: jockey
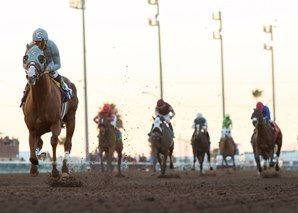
(266, 114)
(51, 52)
(201, 120)
(227, 126)
(111, 116)
(166, 111)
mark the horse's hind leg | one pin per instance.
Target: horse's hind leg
(234, 164)
(209, 161)
(171, 157)
(279, 144)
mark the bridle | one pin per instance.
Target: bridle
(35, 64)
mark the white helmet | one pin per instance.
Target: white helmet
(39, 35)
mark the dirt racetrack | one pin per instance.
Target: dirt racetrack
(181, 191)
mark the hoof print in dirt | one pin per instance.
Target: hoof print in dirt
(64, 182)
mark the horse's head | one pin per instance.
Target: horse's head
(34, 62)
(258, 115)
(103, 123)
(156, 132)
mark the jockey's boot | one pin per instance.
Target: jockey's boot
(208, 136)
(171, 127)
(64, 86)
(25, 94)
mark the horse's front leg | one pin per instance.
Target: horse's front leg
(109, 160)
(257, 159)
(119, 162)
(70, 126)
(55, 129)
(194, 162)
(164, 164)
(33, 158)
(100, 153)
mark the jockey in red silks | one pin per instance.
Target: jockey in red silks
(267, 116)
(111, 115)
(166, 112)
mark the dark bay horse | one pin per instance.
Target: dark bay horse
(44, 111)
(264, 140)
(200, 146)
(227, 148)
(162, 144)
(108, 144)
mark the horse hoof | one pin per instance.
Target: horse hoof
(33, 170)
(64, 175)
(55, 173)
(277, 168)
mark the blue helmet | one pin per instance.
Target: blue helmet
(39, 35)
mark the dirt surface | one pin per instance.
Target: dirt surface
(138, 191)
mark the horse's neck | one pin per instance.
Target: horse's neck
(42, 89)
(262, 129)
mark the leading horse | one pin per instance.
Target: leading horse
(162, 144)
(264, 140)
(45, 112)
(108, 143)
(200, 146)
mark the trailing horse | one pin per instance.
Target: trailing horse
(45, 112)
(108, 143)
(264, 140)
(227, 148)
(200, 146)
(162, 144)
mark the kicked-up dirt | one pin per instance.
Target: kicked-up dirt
(138, 191)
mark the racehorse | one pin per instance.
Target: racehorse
(200, 146)
(227, 148)
(162, 144)
(107, 143)
(264, 140)
(44, 110)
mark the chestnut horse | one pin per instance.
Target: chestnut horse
(44, 111)
(227, 148)
(264, 140)
(200, 146)
(107, 143)
(162, 143)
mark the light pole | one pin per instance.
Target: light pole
(219, 35)
(269, 46)
(80, 4)
(155, 22)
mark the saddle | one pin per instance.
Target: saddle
(64, 94)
